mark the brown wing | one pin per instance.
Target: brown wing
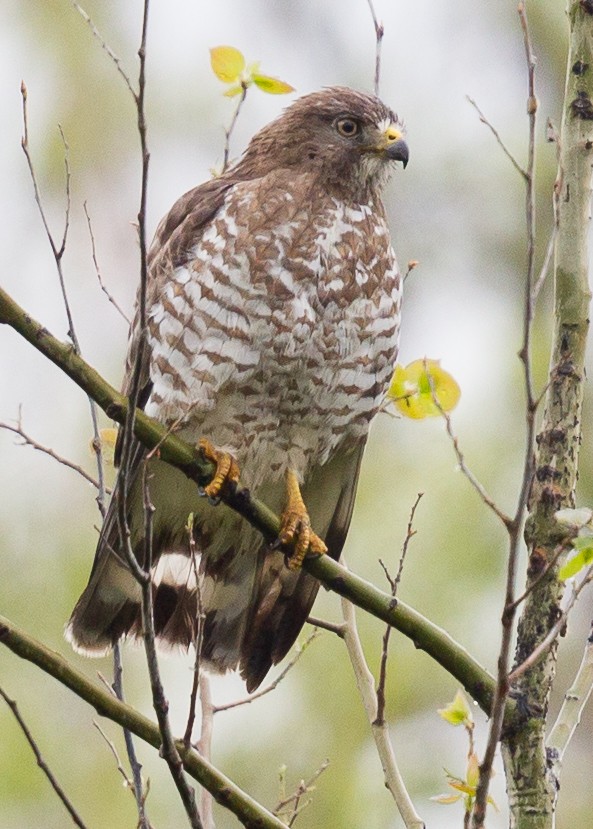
(109, 604)
(283, 599)
(173, 240)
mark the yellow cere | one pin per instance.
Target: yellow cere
(392, 134)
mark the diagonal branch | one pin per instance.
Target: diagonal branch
(225, 792)
(425, 635)
(41, 762)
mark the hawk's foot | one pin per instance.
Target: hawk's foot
(227, 470)
(295, 527)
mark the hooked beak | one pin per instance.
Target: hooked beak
(392, 146)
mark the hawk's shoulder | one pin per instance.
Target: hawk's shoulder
(190, 214)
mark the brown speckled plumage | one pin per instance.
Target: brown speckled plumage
(273, 311)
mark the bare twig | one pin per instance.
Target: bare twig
(41, 762)
(200, 618)
(299, 651)
(58, 251)
(366, 685)
(515, 526)
(204, 746)
(136, 783)
(394, 583)
(522, 172)
(107, 49)
(379, 32)
(555, 631)
(142, 573)
(332, 627)
(575, 700)
(128, 783)
(102, 285)
(29, 441)
(293, 801)
(169, 749)
(480, 489)
(539, 578)
(229, 131)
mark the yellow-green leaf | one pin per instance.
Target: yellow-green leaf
(578, 562)
(458, 712)
(272, 86)
(420, 388)
(472, 774)
(227, 63)
(107, 438)
(446, 798)
(463, 787)
(234, 90)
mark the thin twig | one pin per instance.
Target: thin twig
(380, 732)
(379, 32)
(128, 783)
(574, 702)
(199, 631)
(299, 651)
(555, 631)
(135, 765)
(393, 583)
(228, 132)
(294, 800)
(58, 251)
(109, 296)
(160, 704)
(332, 627)
(204, 746)
(29, 441)
(480, 489)
(514, 528)
(41, 762)
(107, 49)
(539, 578)
(499, 140)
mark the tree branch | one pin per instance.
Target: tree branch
(251, 814)
(41, 762)
(531, 780)
(428, 637)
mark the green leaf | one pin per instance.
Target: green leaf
(458, 712)
(419, 389)
(233, 91)
(578, 562)
(272, 86)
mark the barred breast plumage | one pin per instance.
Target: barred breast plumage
(273, 313)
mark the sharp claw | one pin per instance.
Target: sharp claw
(226, 476)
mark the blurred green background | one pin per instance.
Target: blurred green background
(458, 209)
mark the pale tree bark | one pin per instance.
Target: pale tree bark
(531, 778)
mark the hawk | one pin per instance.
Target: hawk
(273, 308)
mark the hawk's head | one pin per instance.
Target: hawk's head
(351, 139)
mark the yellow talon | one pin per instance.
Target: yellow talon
(227, 469)
(296, 526)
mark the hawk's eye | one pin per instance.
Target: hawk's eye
(347, 127)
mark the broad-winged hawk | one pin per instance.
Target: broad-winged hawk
(273, 308)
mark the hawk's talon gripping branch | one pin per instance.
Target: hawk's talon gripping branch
(295, 530)
(227, 471)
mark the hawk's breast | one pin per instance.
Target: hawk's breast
(278, 336)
